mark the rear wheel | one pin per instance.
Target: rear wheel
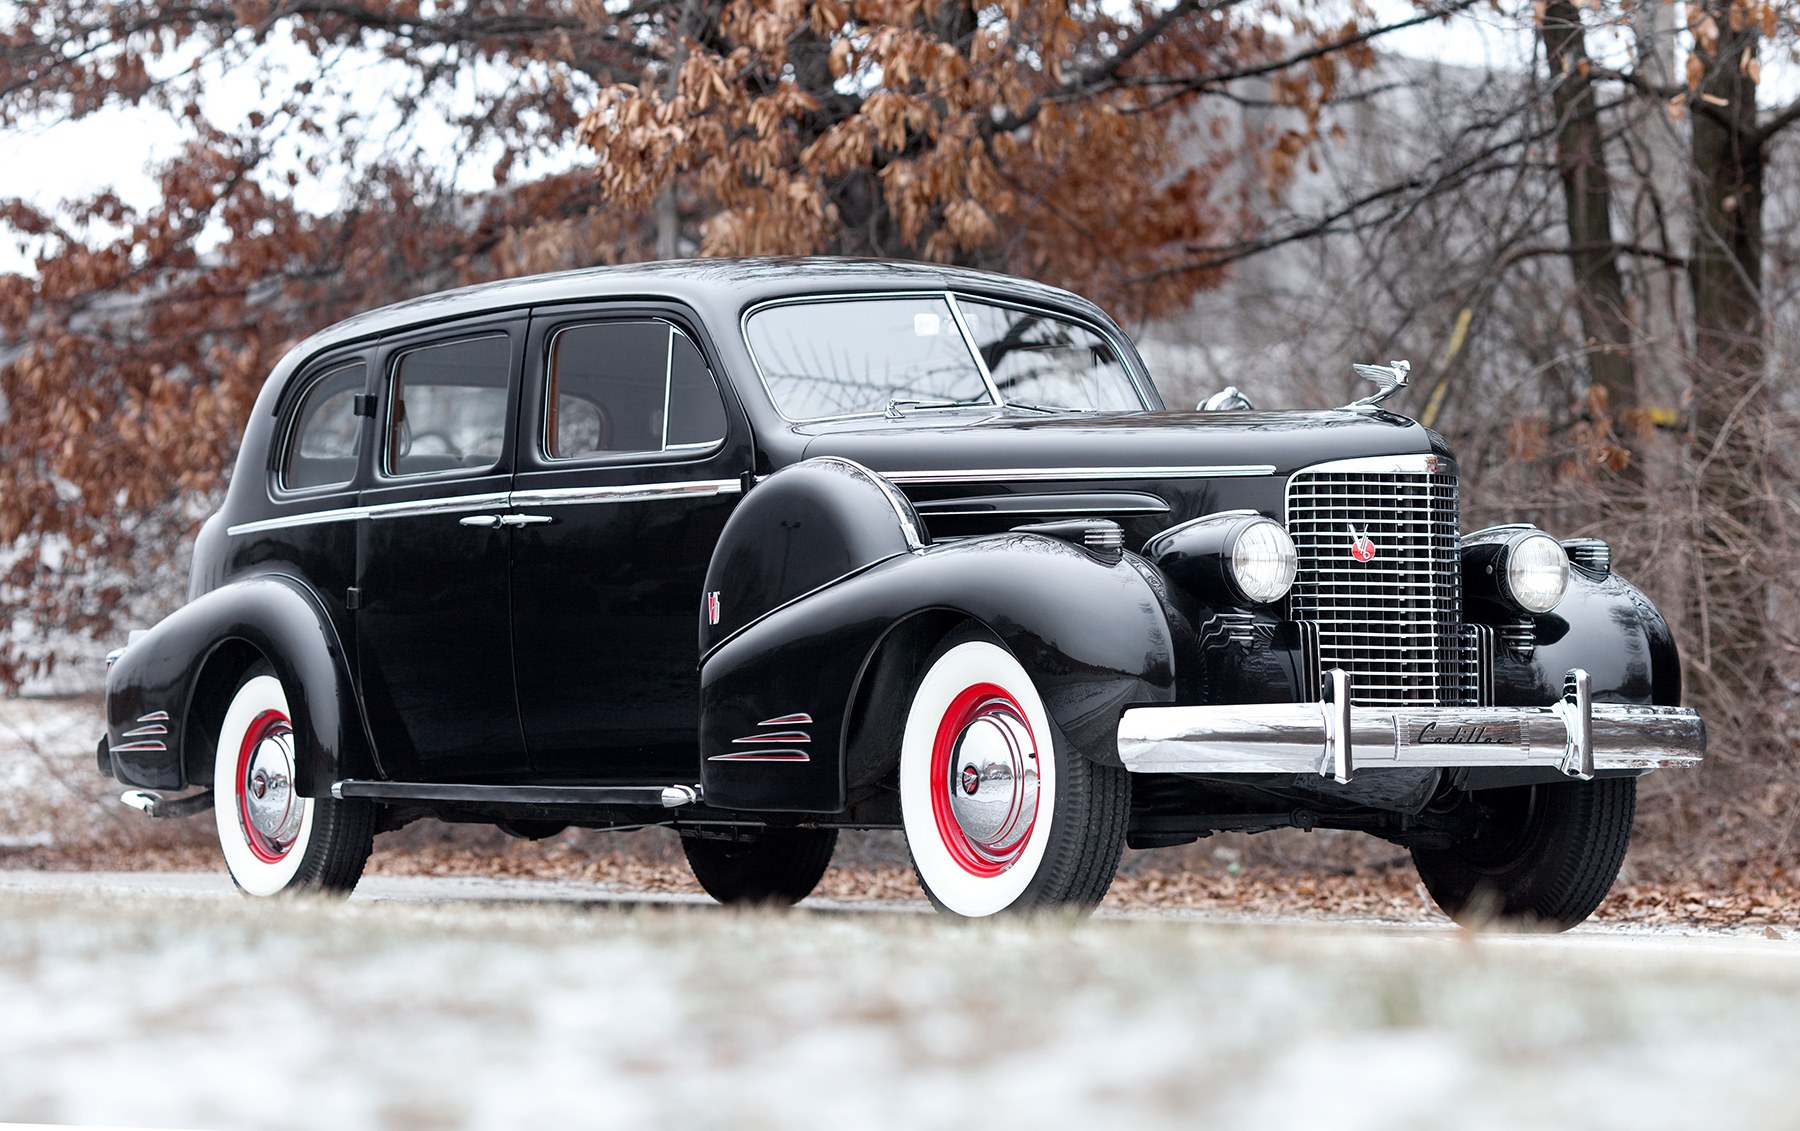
(777, 866)
(996, 820)
(274, 840)
(1541, 855)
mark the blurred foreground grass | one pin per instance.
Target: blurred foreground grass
(203, 1013)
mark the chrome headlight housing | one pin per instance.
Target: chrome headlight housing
(1233, 557)
(1263, 561)
(1536, 571)
(1519, 566)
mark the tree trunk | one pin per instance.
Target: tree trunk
(1587, 197)
(1734, 664)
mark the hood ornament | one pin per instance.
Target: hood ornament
(1389, 379)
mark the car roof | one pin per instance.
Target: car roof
(707, 284)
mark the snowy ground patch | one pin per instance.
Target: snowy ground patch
(49, 788)
(202, 1012)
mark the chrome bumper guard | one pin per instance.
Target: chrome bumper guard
(1334, 739)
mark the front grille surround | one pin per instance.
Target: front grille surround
(1393, 622)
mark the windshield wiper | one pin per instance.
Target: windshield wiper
(898, 406)
(1046, 408)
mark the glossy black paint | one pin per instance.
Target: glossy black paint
(604, 595)
(564, 653)
(1607, 626)
(1092, 634)
(1052, 464)
(283, 623)
(434, 630)
(806, 527)
(1197, 555)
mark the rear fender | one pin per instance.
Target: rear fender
(167, 691)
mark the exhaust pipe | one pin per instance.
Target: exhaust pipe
(153, 804)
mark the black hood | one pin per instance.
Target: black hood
(961, 441)
(975, 472)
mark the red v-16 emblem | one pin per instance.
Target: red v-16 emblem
(1361, 548)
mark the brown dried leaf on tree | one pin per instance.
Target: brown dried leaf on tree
(1052, 139)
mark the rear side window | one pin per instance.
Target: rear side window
(322, 444)
(448, 408)
(629, 387)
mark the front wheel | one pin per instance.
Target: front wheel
(274, 840)
(1539, 855)
(995, 819)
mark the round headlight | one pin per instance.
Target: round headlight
(1263, 562)
(1537, 572)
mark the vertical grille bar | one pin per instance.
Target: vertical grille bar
(1393, 621)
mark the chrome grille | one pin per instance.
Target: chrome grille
(1394, 622)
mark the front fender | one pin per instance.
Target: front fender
(1092, 634)
(174, 675)
(1606, 626)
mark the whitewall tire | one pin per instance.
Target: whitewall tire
(273, 839)
(995, 819)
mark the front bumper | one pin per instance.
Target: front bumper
(1334, 739)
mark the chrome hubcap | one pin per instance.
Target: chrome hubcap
(994, 781)
(275, 811)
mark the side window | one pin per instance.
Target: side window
(619, 387)
(448, 408)
(322, 443)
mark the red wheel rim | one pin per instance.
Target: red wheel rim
(267, 725)
(973, 704)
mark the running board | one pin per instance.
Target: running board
(665, 796)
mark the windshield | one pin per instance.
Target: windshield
(1037, 359)
(844, 357)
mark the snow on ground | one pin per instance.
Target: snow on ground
(192, 1010)
(50, 790)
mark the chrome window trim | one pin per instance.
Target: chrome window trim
(981, 365)
(668, 382)
(1140, 381)
(457, 504)
(1058, 474)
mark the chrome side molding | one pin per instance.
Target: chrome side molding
(662, 796)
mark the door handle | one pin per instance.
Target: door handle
(525, 519)
(489, 520)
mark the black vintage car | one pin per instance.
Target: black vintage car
(762, 550)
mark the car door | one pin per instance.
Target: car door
(433, 624)
(630, 452)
